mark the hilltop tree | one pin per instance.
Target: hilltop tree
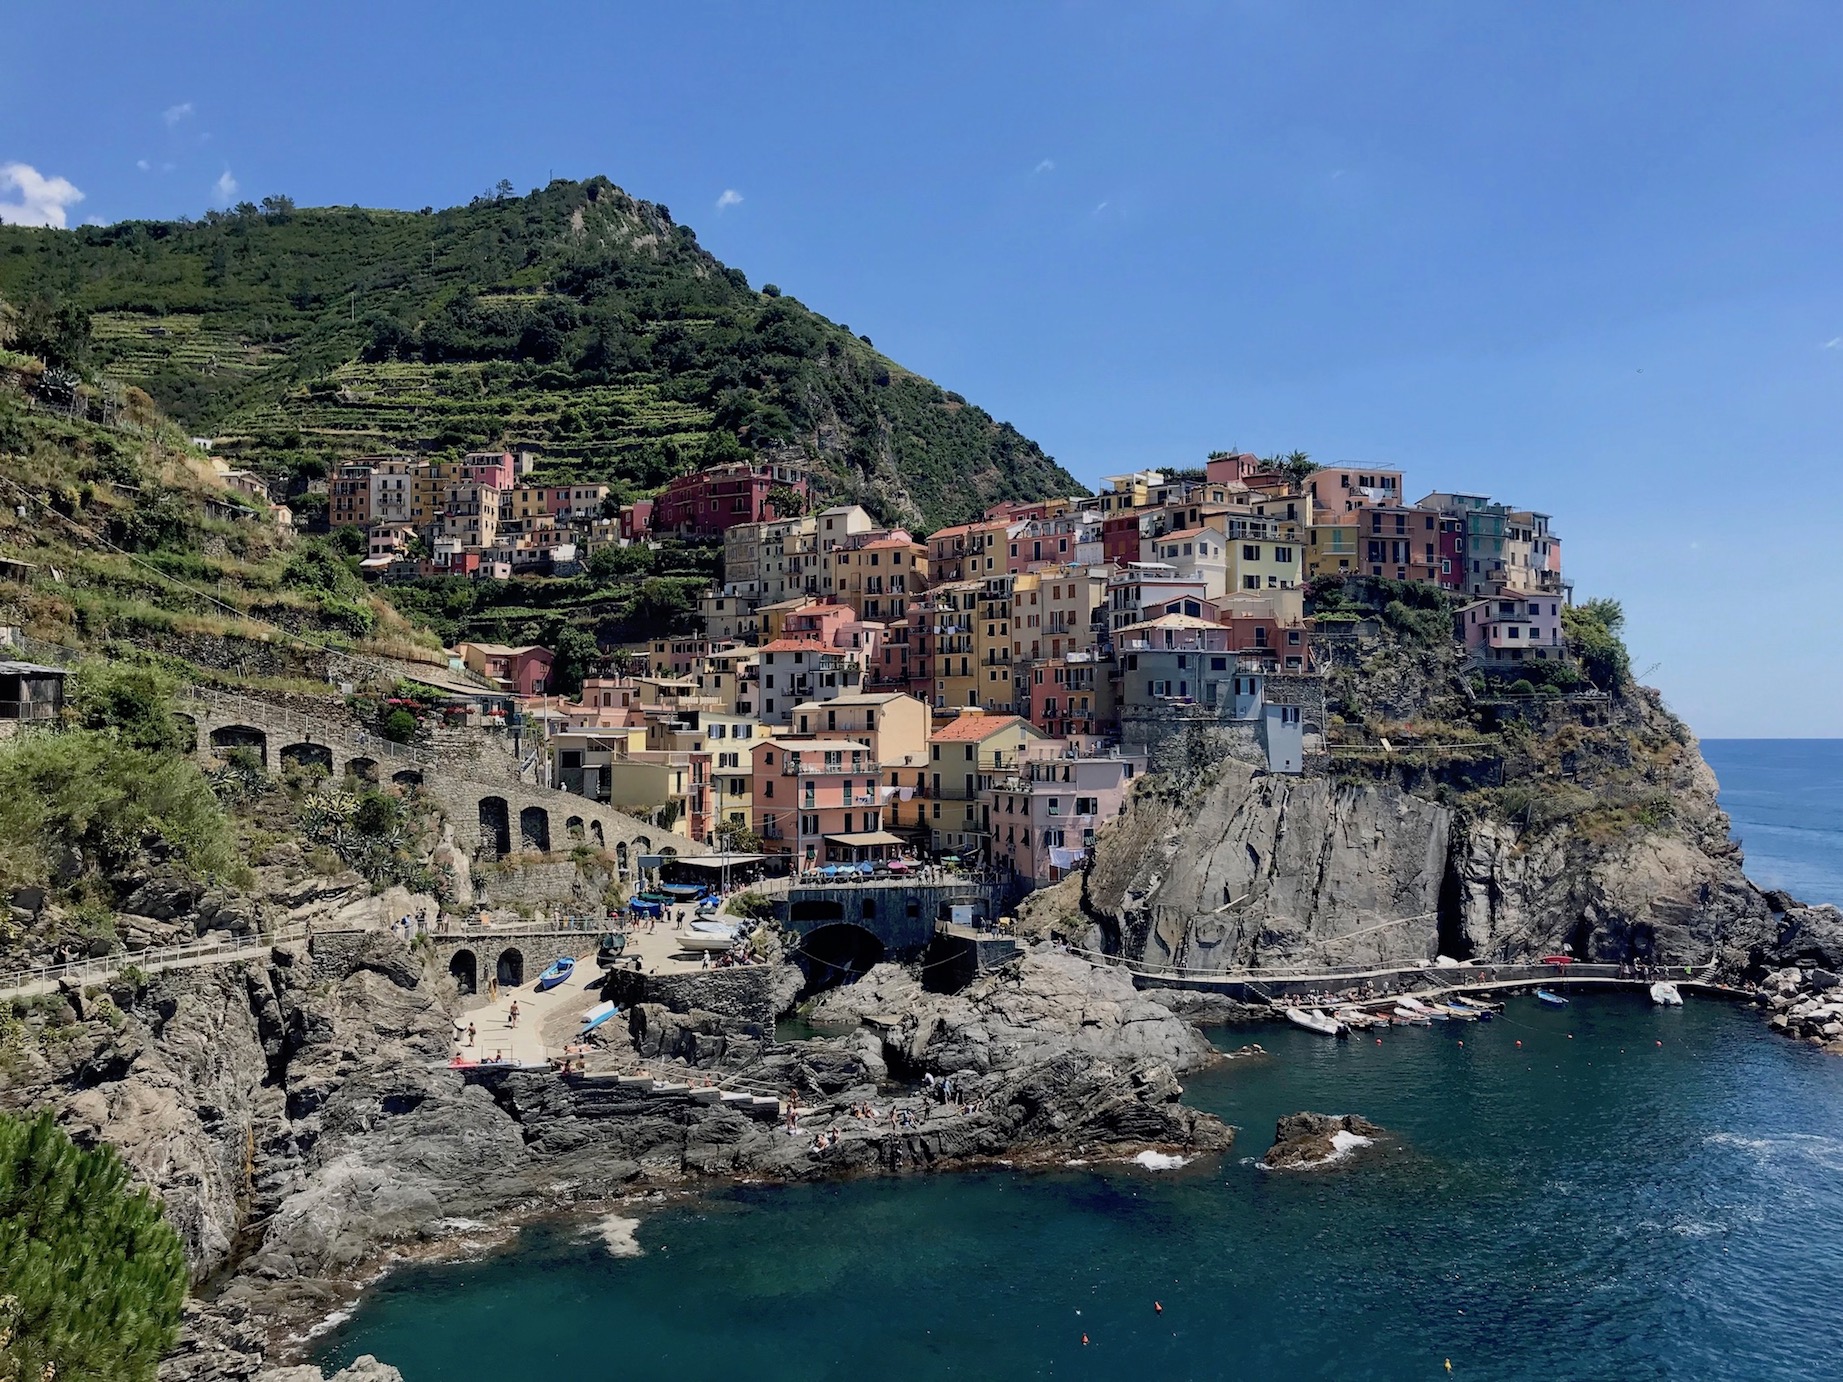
(92, 1277)
(1593, 630)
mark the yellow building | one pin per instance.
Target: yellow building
(948, 619)
(1332, 548)
(992, 643)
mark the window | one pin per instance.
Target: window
(1250, 552)
(1219, 664)
(1087, 806)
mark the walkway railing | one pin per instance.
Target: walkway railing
(156, 959)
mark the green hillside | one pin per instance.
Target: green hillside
(578, 322)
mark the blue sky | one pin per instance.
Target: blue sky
(1583, 256)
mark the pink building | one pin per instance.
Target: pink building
(1042, 818)
(1073, 695)
(817, 801)
(1511, 628)
(713, 501)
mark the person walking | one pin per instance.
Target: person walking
(470, 1034)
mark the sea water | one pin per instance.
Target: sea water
(1606, 1190)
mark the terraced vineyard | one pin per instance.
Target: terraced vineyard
(578, 322)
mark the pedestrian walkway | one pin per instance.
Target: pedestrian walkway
(547, 1022)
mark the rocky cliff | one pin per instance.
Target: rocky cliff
(296, 1115)
(1591, 825)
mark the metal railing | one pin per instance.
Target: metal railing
(156, 959)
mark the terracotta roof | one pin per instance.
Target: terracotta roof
(797, 645)
(973, 727)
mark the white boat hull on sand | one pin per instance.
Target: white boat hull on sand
(703, 940)
(1666, 996)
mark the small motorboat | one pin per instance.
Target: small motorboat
(704, 940)
(1554, 1000)
(1479, 1005)
(560, 969)
(725, 928)
(1432, 1012)
(1315, 1021)
(1666, 995)
(1454, 1012)
(1408, 1017)
(609, 947)
(1556, 960)
(597, 1015)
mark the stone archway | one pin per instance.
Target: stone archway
(510, 968)
(308, 755)
(595, 833)
(573, 828)
(495, 825)
(464, 970)
(819, 909)
(364, 769)
(837, 953)
(232, 737)
(534, 828)
(620, 853)
(407, 777)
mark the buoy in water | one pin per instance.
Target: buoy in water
(1084, 1341)
(1158, 1307)
(1660, 1043)
(1519, 1041)
(1462, 1043)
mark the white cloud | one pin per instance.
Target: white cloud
(42, 201)
(174, 114)
(143, 165)
(1834, 343)
(225, 187)
(1048, 165)
(731, 197)
(1102, 207)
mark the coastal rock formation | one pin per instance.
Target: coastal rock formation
(1304, 1140)
(296, 1114)
(1044, 1004)
(364, 1369)
(1240, 868)
(1805, 1003)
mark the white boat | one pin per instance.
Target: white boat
(727, 928)
(1666, 995)
(703, 940)
(1413, 1018)
(1420, 1009)
(597, 1015)
(1314, 1021)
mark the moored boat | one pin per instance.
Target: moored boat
(1409, 1017)
(1666, 995)
(1315, 1021)
(1554, 1000)
(560, 969)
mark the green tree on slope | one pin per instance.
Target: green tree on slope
(92, 1277)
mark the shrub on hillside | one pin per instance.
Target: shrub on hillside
(92, 1277)
(133, 703)
(88, 793)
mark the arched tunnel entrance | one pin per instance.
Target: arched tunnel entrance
(510, 971)
(837, 953)
(464, 970)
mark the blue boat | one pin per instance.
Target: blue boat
(560, 969)
(1554, 1000)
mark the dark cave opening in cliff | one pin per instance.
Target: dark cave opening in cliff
(837, 954)
(1450, 915)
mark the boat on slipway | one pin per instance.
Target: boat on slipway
(1315, 1021)
(1666, 995)
(560, 969)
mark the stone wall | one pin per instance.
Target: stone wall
(542, 882)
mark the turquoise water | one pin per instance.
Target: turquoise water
(1785, 798)
(1631, 1193)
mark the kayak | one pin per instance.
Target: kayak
(597, 1015)
(560, 969)
(1554, 1000)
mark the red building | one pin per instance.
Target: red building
(1120, 536)
(1452, 552)
(713, 501)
